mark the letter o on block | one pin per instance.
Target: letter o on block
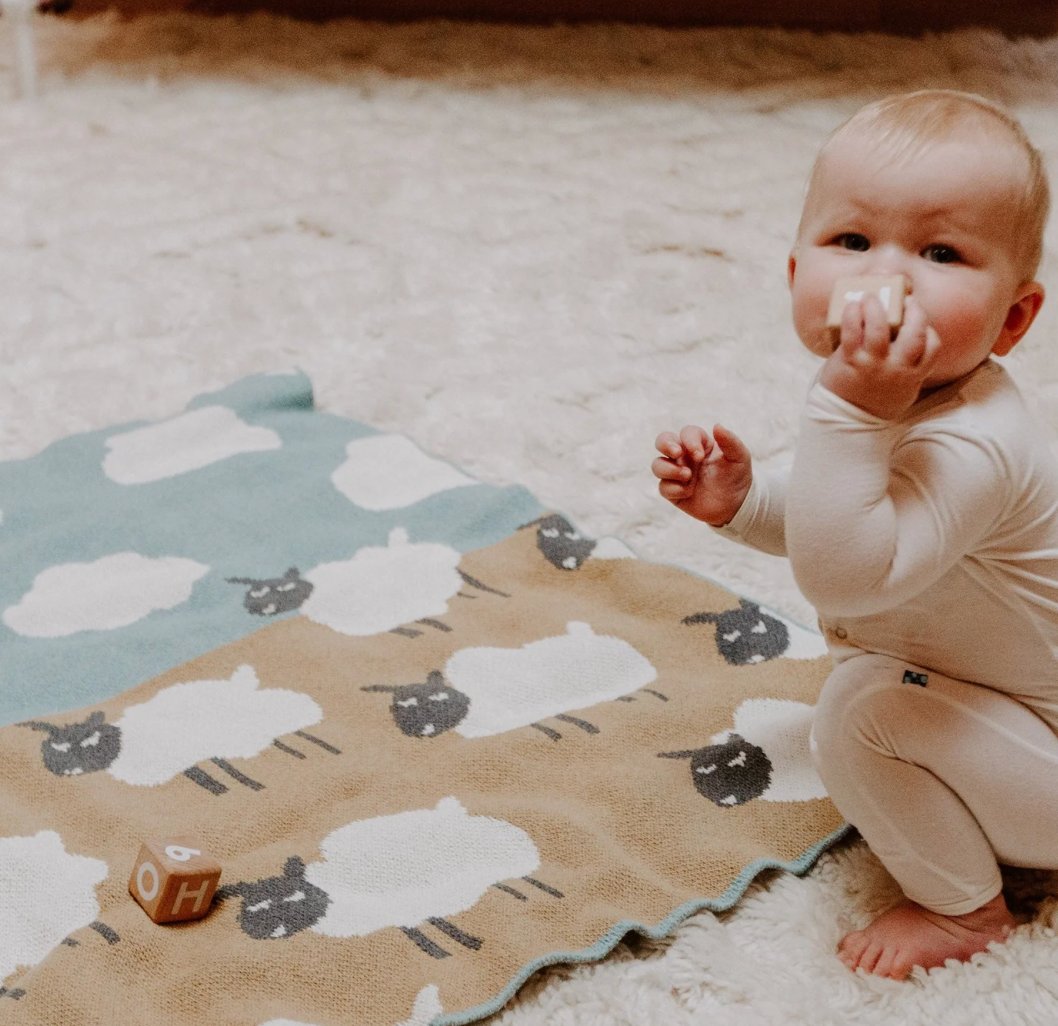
(174, 880)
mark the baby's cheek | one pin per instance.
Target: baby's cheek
(810, 320)
(966, 324)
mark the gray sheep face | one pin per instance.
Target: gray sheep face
(279, 906)
(561, 543)
(746, 635)
(426, 710)
(77, 748)
(728, 774)
(275, 595)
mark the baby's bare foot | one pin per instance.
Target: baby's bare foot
(911, 935)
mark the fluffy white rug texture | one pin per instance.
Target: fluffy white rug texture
(531, 249)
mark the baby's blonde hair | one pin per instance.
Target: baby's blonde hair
(905, 124)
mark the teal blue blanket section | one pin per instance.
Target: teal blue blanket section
(130, 550)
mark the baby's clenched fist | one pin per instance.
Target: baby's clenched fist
(881, 377)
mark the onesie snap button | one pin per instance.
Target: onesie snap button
(841, 633)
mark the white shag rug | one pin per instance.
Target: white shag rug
(531, 249)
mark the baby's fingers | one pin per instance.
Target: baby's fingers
(666, 470)
(668, 444)
(875, 327)
(916, 344)
(696, 442)
(730, 445)
(674, 491)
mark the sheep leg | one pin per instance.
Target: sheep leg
(511, 891)
(656, 694)
(290, 751)
(453, 931)
(553, 734)
(319, 741)
(423, 942)
(15, 993)
(203, 779)
(588, 728)
(475, 583)
(232, 772)
(405, 632)
(543, 886)
(436, 624)
(104, 931)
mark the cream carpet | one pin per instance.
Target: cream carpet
(530, 249)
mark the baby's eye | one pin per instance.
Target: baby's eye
(941, 254)
(853, 241)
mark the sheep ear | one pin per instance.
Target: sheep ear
(379, 687)
(238, 580)
(50, 728)
(532, 523)
(435, 679)
(294, 867)
(701, 618)
(292, 572)
(751, 607)
(676, 755)
(96, 719)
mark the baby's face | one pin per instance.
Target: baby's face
(941, 219)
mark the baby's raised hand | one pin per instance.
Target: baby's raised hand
(707, 477)
(881, 377)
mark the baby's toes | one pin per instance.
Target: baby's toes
(871, 956)
(851, 947)
(902, 965)
(884, 965)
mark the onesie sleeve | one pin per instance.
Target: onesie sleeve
(760, 520)
(876, 512)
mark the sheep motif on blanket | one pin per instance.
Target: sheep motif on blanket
(492, 690)
(446, 770)
(181, 725)
(401, 870)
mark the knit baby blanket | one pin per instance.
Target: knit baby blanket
(432, 772)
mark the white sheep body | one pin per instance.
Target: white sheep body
(202, 719)
(403, 869)
(513, 687)
(383, 586)
(45, 894)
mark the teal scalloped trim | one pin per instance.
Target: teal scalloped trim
(609, 940)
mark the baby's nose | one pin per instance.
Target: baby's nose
(888, 260)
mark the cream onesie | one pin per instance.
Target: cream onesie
(929, 547)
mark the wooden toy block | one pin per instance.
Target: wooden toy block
(891, 290)
(174, 880)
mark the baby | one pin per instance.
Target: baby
(920, 515)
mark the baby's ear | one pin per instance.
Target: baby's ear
(791, 267)
(1022, 312)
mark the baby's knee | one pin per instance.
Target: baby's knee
(859, 708)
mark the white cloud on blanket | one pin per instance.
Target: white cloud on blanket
(193, 440)
(45, 894)
(391, 471)
(111, 592)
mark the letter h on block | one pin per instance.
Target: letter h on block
(174, 880)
